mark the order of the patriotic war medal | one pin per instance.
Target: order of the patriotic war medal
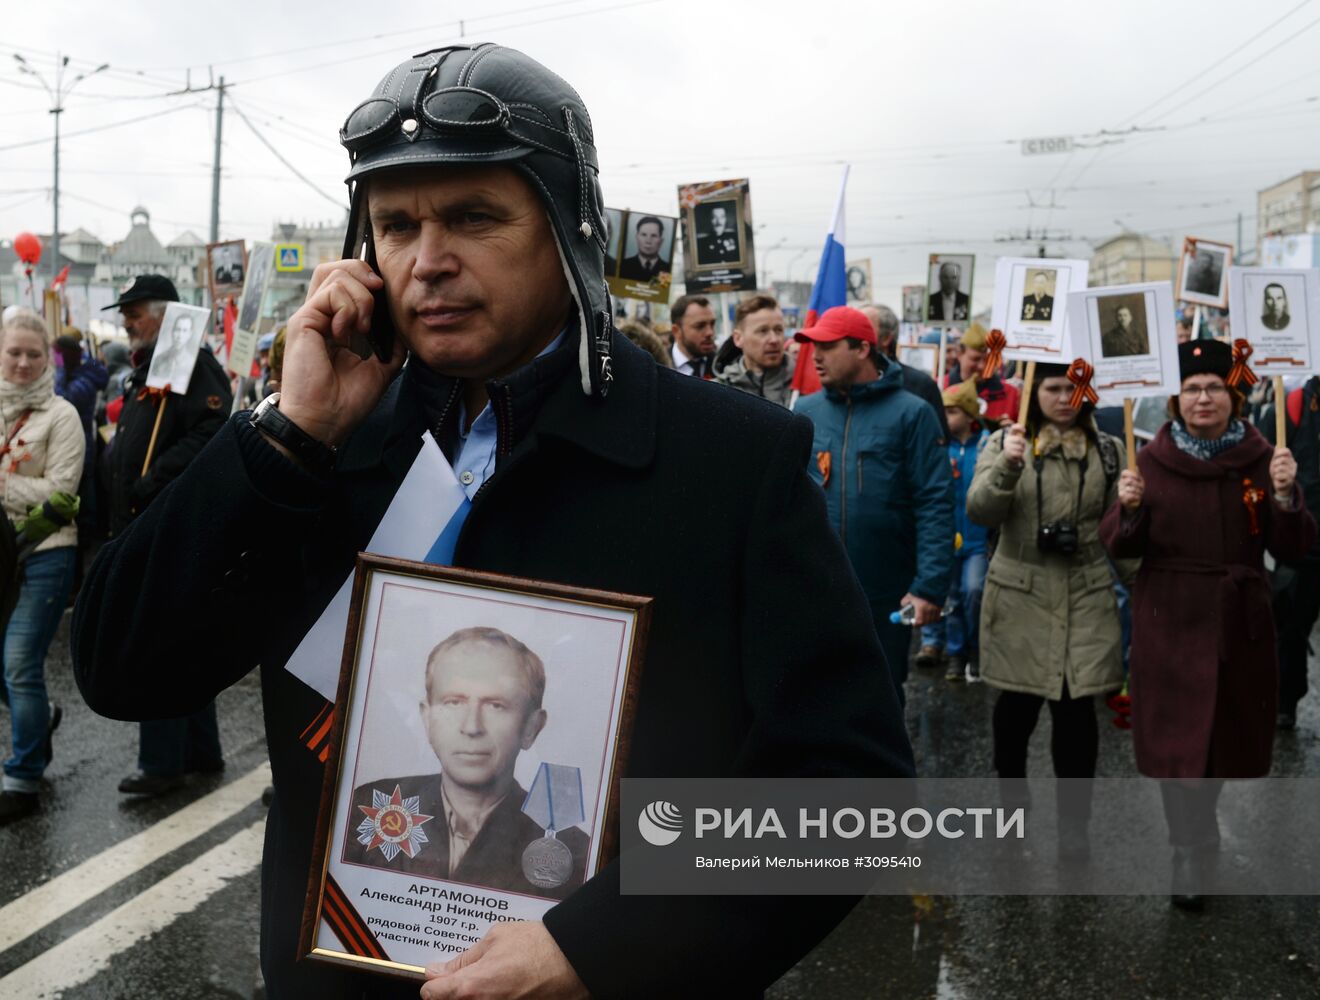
(393, 824)
(547, 863)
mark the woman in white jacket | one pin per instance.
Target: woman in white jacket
(41, 452)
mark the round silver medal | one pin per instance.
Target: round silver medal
(547, 863)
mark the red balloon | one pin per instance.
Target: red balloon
(28, 247)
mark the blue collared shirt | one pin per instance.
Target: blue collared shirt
(474, 459)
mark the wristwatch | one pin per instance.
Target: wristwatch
(267, 418)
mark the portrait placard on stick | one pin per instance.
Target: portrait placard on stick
(1277, 311)
(717, 236)
(858, 277)
(1203, 272)
(480, 734)
(1129, 335)
(226, 266)
(914, 303)
(949, 288)
(181, 331)
(261, 267)
(1031, 294)
(640, 254)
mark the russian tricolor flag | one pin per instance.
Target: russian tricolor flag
(830, 290)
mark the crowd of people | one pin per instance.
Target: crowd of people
(1003, 542)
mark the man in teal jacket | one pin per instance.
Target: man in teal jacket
(877, 453)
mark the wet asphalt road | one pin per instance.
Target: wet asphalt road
(104, 932)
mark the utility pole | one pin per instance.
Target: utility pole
(215, 169)
(56, 108)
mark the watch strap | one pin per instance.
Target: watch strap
(314, 454)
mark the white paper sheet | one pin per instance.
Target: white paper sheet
(427, 498)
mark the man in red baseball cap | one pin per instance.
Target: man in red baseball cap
(878, 455)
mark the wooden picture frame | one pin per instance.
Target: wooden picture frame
(508, 657)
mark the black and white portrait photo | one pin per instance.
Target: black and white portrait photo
(718, 239)
(254, 288)
(180, 337)
(1038, 297)
(482, 705)
(227, 264)
(1203, 272)
(949, 288)
(648, 247)
(1123, 326)
(857, 274)
(1274, 307)
(914, 299)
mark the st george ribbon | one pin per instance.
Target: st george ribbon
(418, 519)
(554, 802)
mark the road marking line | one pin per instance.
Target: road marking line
(65, 893)
(78, 958)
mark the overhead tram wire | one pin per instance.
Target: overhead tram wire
(103, 128)
(1217, 62)
(338, 203)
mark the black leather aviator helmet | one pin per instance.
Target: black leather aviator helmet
(488, 104)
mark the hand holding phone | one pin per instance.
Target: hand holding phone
(327, 388)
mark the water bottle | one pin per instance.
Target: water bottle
(907, 614)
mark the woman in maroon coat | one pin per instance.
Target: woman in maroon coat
(1209, 498)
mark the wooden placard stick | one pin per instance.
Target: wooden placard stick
(1028, 387)
(1129, 436)
(155, 430)
(1280, 413)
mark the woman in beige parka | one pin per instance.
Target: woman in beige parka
(1049, 617)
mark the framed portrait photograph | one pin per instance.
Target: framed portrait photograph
(1149, 414)
(1203, 272)
(1129, 335)
(1031, 306)
(181, 331)
(717, 236)
(949, 288)
(480, 733)
(646, 242)
(914, 303)
(924, 357)
(226, 268)
(1277, 310)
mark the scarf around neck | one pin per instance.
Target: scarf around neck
(14, 399)
(1207, 448)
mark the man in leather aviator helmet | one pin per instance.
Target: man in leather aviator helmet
(474, 192)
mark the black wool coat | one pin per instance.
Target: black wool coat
(762, 659)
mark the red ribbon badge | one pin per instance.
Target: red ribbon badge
(1251, 498)
(155, 395)
(995, 343)
(1241, 373)
(823, 464)
(1079, 374)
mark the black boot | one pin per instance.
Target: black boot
(1188, 876)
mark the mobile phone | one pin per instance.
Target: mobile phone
(358, 243)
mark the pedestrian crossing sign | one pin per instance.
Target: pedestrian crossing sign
(288, 256)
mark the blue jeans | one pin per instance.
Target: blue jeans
(47, 579)
(959, 632)
(169, 747)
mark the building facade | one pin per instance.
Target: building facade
(1130, 258)
(1289, 207)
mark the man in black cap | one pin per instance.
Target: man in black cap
(485, 234)
(169, 748)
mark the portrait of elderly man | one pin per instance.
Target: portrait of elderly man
(175, 353)
(1038, 304)
(1274, 313)
(646, 264)
(717, 239)
(949, 304)
(482, 708)
(1126, 337)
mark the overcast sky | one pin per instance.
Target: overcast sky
(927, 102)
